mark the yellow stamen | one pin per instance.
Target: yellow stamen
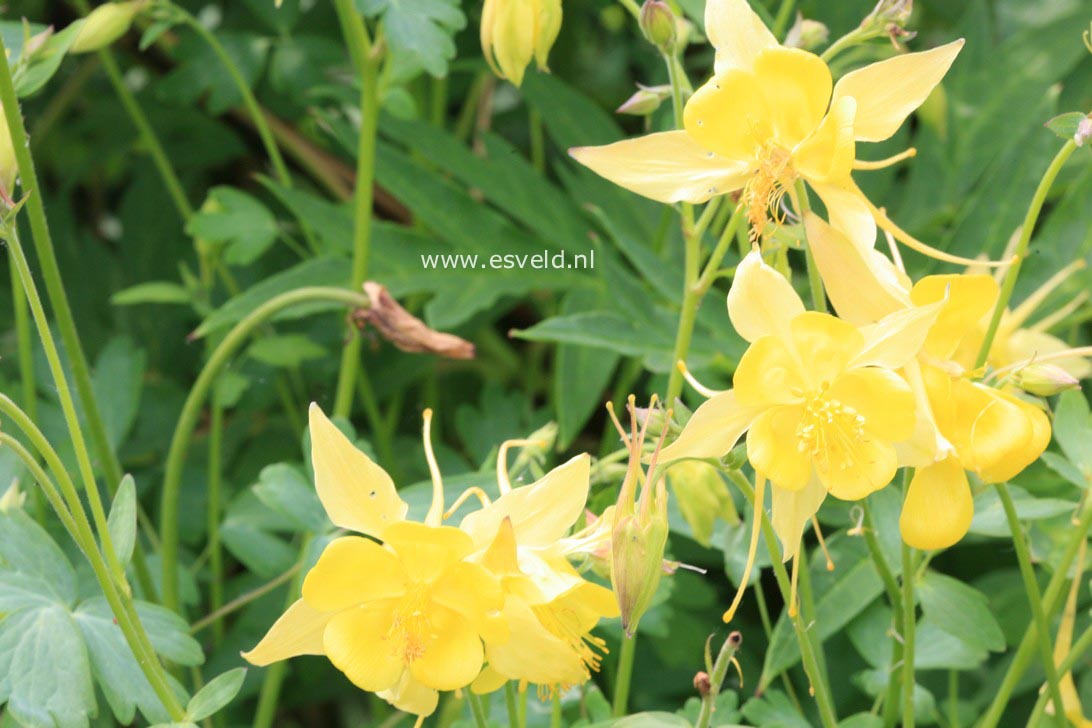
(435, 514)
(882, 163)
(473, 490)
(503, 483)
(752, 548)
(698, 386)
(766, 187)
(617, 424)
(822, 542)
(1021, 313)
(792, 585)
(410, 628)
(896, 256)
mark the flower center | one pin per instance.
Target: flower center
(767, 186)
(829, 431)
(410, 628)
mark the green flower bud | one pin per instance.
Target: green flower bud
(104, 25)
(9, 168)
(645, 101)
(702, 496)
(807, 34)
(637, 556)
(1045, 380)
(659, 25)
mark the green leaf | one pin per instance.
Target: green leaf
(284, 489)
(419, 32)
(774, 708)
(1065, 125)
(989, 514)
(238, 220)
(937, 649)
(1073, 429)
(644, 720)
(118, 381)
(861, 720)
(151, 292)
(122, 520)
(960, 610)
(581, 376)
(219, 691)
(285, 350)
(25, 548)
(605, 330)
(45, 676)
(46, 60)
(249, 533)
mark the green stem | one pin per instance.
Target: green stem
(687, 317)
(555, 712)
(477, 709)
(216, 556)
(1083, 643)
(1021, 249)
(244, 599)
(909, 617)
(191, 410)
(511, 704)
(851, 38)
(891, 586)
(781, 22)
(243, 86)
(1035, 597)
(29, 396)
(624, 675)
(953, 699)
(724, 244)
(367, 66)
(716, 679)
(815, 281)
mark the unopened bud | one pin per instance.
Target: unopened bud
(36, 41)
(637, 554)
(702, 496)
(889, 12)
(13, 498)
(9, 167)
(807, 34)
(1084, 132)
(645, 101)
(659, 25)
(702, 683)
(104, 25)
(1045, 380)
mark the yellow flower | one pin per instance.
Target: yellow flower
(772, 115)
(405, 618)
(962, 424)
(515, 31)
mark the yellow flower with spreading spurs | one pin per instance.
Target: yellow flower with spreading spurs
(404, 618)
(514, 32)
(770, 116)
(818, 398)
(963, 424)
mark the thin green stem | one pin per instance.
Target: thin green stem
(477, 710)
(243, 86)
(191, 410)
(45, 483)
(555, 712)
(1035, 597)
(716, 679)
(216, 556)
(624, 675)
(244, 599)
(724, 244)
(687, 317)
(1083, 643)
(849, 39)
(891, 586)
(909, 617)
(781, 22)
(815, 282)
(29, 395)
(953, 699)
(1021, 248)
(367, 65)
(511, 704)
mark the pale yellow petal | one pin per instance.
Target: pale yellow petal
(888, 91)
(454, 653)
(356, 493)
(861, 468)
(825, 345)
(882, 398)
(773, 448)
(730, 114)
(969, 298)
(736, 32)
(667, 166)
(426, 551)
(769, 374)
(1007, 436)
(828, 154)
(356, 641)
(761, 302)
(514, 38)
(797, 87)
(938, 508)
(540, 513)
(848, 212)
(534, 653)
(898, 337)
(471, 591)
(297, 632)
(712, 431)
(487, 681)
(410, 696)
(790, 511)
(351, 571)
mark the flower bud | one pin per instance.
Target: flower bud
(1045, 380)
(645, 101)
(807, 34)
(637, 554)
(104, 25)
(1084, 132)
(514, 32)
(702, 496)
(889, 12)
(13, 498)
(659, 25)
(9, 167)
(35, 43)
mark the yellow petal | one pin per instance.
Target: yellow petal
(514, 38)
(888, 91)
(769, 374)
(453, 656)
(540, 513)
(487, 681)
(970, 297)
(797, 86)
(356, 493)
(761, 302)
(736, 32)
(898, 337)
(926, 445)
(534, 653)
(351, 571)
(1006, 436)
(826, 345)
(790, 511)
(356, 642)
(882, 398)
(848, 212)
(828, 154)
(411, 696)
(772, 448)
(471, 591)
(730, 115)
(426, 551)
(668, 167)
(862, 285)
(938, 508)
(500, 557)
(297, 632)
(712, 431)
(861, 468)
(549, 25)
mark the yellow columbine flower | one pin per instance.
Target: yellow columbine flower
(772, 115)
(515, 31)
(962, 424)
(404, 618)
(818, 398)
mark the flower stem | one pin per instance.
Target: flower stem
(1021, 249)
(909, 617)
(781, 22)
(891, 586)
(724, 244)
(1083, 643)
(815, 281)
(191, 410)
(511, 704)
(716, 679)
(29, 396)
(1035, 597)
(367, 66)
(243, 86)
(477, 709)
(624, 675)
(687, 317)
(215, 498)
(244, 599)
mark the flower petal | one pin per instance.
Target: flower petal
(882, 398)
(353, 570)
(668, 167)
(790, 511)
(970, 297)
(898, 337)
(411, 696)
(534, 653)
(356, 642)
(736, 32)
(712, 431)
(471, 591)
(768, 375)
(938, 508)
(864, 468)
(761, 302)
(1007, 436)
(297, 632)
(453, 656)
(797, 86)
(825, 345)
(888, 91)
(828, 154)
(772, 448)
(356, 493)
(730, 115)
(848, 212)
(540, 513)
(426, 551)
